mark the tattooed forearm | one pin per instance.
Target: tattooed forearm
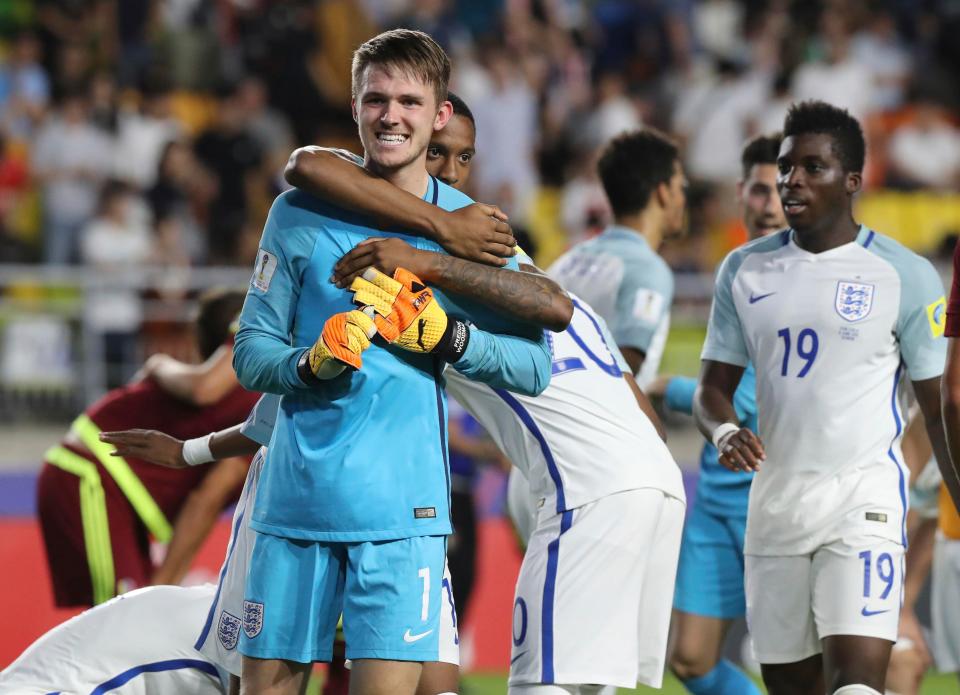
(527, 297)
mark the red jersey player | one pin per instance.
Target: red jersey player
(98, 511)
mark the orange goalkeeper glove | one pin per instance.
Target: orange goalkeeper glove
(408, 315)
(344, 337)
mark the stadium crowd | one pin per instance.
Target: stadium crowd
(139, 132)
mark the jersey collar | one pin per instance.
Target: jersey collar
(616, 231)
(864, 238)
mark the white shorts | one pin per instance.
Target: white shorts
(221, 632)
(850, 587)
(945, 604)
(595, 591)
(521, 505)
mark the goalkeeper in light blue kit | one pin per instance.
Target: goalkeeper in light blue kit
(352, 509)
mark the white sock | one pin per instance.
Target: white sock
(855, 689)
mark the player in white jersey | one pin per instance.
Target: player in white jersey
(832, 315)
(619, 272)
(140, 643)
(610, 496)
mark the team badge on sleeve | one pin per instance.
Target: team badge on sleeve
(854, 300)
(252, 618)
(228, 630)
(263, 271)
(937, 317)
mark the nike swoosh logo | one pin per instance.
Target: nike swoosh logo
(514, 659)
(754, 298)
(867, 613)
(407, 637)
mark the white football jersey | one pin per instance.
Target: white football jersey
(584, 437)
(832, 336)
(140, 643)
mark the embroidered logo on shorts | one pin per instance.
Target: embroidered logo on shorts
(252, 618)
(263, 271)
(228, 630)
(424, 512)
(877, 516)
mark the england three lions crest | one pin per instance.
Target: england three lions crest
(854, 300)
(228, 630)
(252, 618)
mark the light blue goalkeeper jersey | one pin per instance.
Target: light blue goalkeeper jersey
(363, 456)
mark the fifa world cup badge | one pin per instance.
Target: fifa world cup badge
(264, 270)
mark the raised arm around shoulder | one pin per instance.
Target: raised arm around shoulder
(478, 232)
(506, 361)
(528, 297)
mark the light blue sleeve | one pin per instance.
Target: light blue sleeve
(725, 341)
(678, 395)
(506, 361)
(262, 355)
(262, 419)
(922, 320)
(643, 301)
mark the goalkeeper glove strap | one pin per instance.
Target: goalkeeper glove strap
(454, 341)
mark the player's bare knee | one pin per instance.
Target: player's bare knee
(687, 663)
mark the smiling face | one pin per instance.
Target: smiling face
(814, 188)
(762, 211)
(397, 114)
(451, 150)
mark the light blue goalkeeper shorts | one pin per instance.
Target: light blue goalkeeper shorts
(389, 593)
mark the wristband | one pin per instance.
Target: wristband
(454, 341)
(197, 451)
(722, 431)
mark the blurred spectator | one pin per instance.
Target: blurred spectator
(229, 151)
(614, 113)
(104, 103)
(770, 114)
(837, 77)
(925, 151)
(713, 116)
(505, 108)
(14, 188)
(182, 191)
(269, 127)
(71, 157)
(114, 241)
(132, 21)
(718, 27)
(142, 134)
(880, 50)
(24, 88)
